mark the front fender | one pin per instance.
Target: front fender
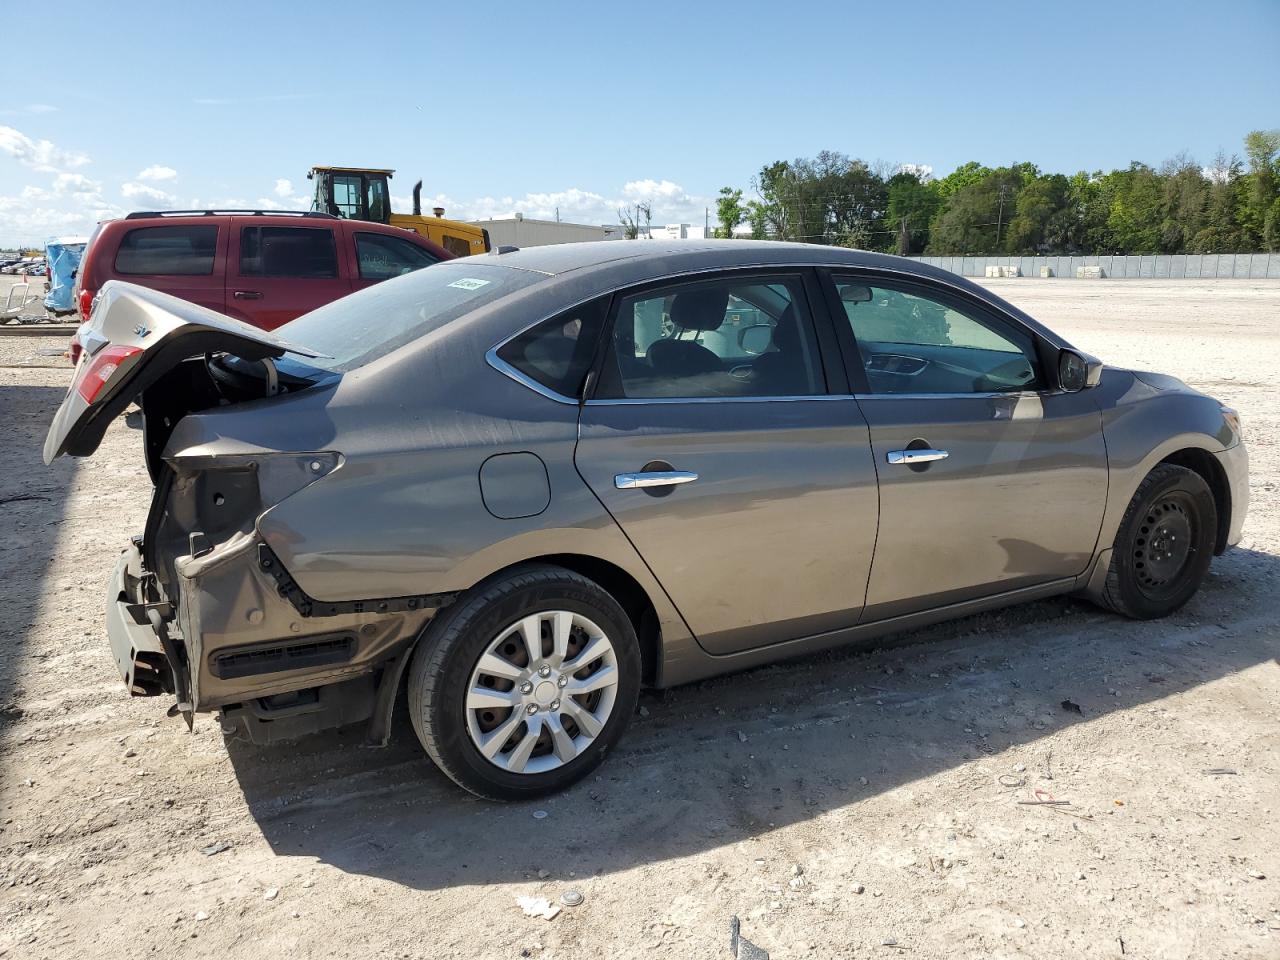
(1144, 425)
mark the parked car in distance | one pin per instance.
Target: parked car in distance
(539, 480)
(261, 268)
(19, 266)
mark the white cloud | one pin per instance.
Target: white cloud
(76, 184)
(40, 155)
(158, 172)
(284, 188)
(133, 191)
(922, 171)
(651, 190)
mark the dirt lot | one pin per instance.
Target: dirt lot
(834, 803)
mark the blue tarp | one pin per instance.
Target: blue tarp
(63, 256)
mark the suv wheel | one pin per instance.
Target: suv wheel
(523, 685)
(1164, 544)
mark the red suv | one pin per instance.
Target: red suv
(262, 268)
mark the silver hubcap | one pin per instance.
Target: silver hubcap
(541, 692)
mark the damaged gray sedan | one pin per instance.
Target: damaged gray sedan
(515, 489)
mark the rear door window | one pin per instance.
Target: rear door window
(299, 252)
(381, 257)
(740, 336)
(169, 250)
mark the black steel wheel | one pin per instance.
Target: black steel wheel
(1164, 545)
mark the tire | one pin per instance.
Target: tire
(1164, 545)
(448, 677)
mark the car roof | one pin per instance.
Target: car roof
(576, 269)
(556, 259)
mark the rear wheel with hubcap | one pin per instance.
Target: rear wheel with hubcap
(1164, 544)
(523, 685)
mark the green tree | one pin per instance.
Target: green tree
(965, 175)
(824, 199)
(729, 211)
(911, 205)
(1133, 199)
(1258, 225)
(1037, 225)
(976, 218)
(1185, 195)
(1221, 231)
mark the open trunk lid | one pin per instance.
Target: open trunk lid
(134, 336)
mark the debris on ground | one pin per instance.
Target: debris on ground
(1072, 707)
(538, 907)
(220, 847)
(740, 946)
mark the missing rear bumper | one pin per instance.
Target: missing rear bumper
(138, 651)
(287, 716)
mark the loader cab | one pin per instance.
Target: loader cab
(352, 194)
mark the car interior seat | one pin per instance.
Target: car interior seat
(696, 310)
(782, 371)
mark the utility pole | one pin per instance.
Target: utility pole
(706, 222)
(904, 237)
(1000, 217)
(557, 214)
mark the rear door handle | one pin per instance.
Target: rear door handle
(653, 478)
(915, 456)
(247, 295)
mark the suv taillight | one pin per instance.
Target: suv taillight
(101, 368)
(85, 306)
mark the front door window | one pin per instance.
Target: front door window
(910, 341)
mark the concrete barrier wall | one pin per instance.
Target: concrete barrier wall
(1190, 266)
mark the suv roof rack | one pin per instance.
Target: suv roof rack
(142, 214)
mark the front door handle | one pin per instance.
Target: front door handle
(653, 478)
(247, 295)
(915, 456)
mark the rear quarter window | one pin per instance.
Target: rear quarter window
(169, 250)
(557, 353)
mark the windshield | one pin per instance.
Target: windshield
(370, 324)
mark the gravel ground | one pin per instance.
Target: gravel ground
(856, 804)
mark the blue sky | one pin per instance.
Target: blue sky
(587, 106)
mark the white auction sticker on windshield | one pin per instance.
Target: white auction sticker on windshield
(469, 283)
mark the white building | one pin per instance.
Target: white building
(677, 231)
(521, 231)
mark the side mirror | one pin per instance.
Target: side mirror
(1078, 371)
(755, 339)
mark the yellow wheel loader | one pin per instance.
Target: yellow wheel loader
(358, 193)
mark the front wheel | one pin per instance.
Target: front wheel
(524, 684)
(1164, 545)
